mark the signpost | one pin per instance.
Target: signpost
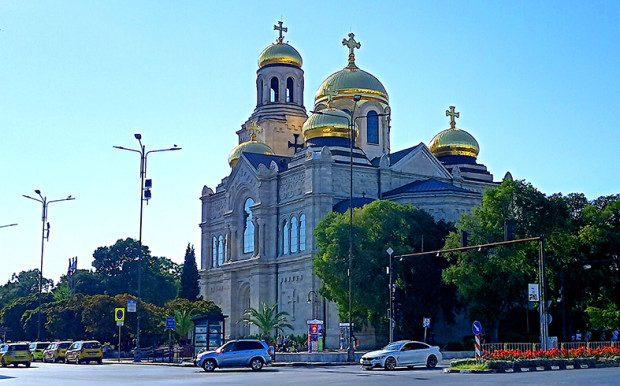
(119, 317)
(170, 325)
(476, 328)
(533, 294)
(426, 323)
(131, 305)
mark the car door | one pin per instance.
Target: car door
(419, 353)
(227, 356)
(407, 354)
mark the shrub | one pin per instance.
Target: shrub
(463, 362)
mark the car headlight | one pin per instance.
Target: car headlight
(380, 357)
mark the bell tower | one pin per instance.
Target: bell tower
(280, 107)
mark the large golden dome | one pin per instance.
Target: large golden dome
(352, 81)
(280, 53)
(328, 122)
(454, 141)
(247, 147)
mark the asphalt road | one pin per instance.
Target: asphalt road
(128, 374)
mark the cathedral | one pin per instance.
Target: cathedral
(291, 169)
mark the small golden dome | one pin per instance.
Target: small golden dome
(454, 141)
(281, 53)
(352, 81)
(328, 122)
(247, 147)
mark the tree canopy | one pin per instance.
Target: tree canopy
(189, 275)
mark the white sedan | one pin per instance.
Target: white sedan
(402, 353)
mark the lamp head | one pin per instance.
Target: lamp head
(138, 136)
(37, 191)
(357, 97)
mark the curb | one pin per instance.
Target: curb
(523, 369)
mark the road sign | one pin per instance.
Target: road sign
(426, 323)
(131, 305)
(476, 327)
(170, 322)
(532, 293)
(119, 314)
(120, 323)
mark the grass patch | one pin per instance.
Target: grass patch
(470, 366)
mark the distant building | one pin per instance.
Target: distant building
(290, 170)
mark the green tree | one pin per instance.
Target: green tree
(267, 319)
(22, 284)
(377, 226)
(601, 318)
(184, 310)
(12, 315)
(189, 277)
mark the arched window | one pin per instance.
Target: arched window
(302, 232)
(259, 94)
(294, 235)
(289, 90)
(248, 227)
(275, 90)
(214, 254)
(226, 248)
(220, 250)
(372, 127)
(286, 236)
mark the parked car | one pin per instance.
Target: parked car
(84, 351)
(15, 354)
(37, 348)
(402, 353)
(236, 353)
(55, 352)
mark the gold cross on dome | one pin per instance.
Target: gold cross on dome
(280, 29)
(452, 114)
(352, 44)
(330, 95)
(253, 128)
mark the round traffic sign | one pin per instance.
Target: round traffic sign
(476, 327)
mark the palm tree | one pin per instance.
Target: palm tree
(267, 319)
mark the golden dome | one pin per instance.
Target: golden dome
(454, 141)
(281, 53)
(247, 147)
(352, 81)
(320, 124)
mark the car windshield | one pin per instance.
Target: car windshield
(18, 347)
(92, 345)
(393, 346)
(42, 345)
(64, 345)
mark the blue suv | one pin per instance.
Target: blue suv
(236, 353)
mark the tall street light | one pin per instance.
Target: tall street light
(351, 122)
(45, 203)
(143, 197)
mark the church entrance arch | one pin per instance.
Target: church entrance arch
(244, 304)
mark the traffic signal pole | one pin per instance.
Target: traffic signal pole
(542, 277)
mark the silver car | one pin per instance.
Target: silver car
(402, 353)
(236, 353)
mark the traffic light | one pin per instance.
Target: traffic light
(399, 297)
(464, 238)
(148, 184)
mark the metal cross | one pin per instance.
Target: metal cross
(330, 95)
(280, 29)
(295, 145)
(253, 128)
(352, 44)
(452, 114)
(292, 299)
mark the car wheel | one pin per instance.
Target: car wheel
(88, 361)
(27, 364)
(2, 363)
(256, 364)
(431, 361)
(390, 363)
(99, 361)
(208, 365)
(14, 364)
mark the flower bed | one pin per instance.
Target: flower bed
(554, 358)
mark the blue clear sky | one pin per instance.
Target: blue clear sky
(535, 82)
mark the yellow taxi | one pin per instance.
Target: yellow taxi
(56, 351)
(84, 351)
(15, 354)
(37, 348)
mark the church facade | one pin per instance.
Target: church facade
(291, 169)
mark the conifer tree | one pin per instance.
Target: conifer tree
(189, 276)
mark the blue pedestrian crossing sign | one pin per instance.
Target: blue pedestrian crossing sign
(170, 322)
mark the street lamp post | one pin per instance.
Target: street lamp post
(351, 122)
(143, 158)
(391, 295)
(44, 203)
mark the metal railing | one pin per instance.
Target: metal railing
(491, 347)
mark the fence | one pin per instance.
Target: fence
(490, 347)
